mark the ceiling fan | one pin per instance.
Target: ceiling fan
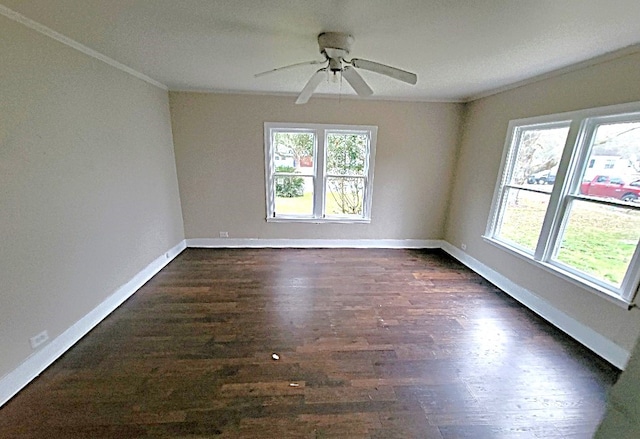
(335, 46)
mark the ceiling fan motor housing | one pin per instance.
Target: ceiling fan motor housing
(335, 45)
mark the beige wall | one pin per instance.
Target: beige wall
(88, 188)
(220, 159)
(477, 171)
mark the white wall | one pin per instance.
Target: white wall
(88, 187)
(477, 170)
(220, 159)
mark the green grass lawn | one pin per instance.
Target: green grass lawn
(522, 220)
(295, 205)
(303, 205)
(599, 240)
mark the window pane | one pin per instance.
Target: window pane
(522, 217)
(346, 154)
(344, 196)
(613, 169)
(293, 152)
(538, 153)
(294, 195)
(599, 240)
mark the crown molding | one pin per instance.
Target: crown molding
(338, 97)
(601, 59)
(44, 30)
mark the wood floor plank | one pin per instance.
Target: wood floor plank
(370, 343)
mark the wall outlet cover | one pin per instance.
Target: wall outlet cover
(38, 339)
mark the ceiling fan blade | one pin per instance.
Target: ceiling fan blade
(305, 63)
(311, 86)
(356, 81)
(392, 72)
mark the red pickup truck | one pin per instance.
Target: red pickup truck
(611, 187)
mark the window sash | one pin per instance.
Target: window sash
(574, 162)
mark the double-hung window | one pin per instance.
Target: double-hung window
(319, 173)
(568, 197)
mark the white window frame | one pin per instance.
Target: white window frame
(319, 173)
(574, 160)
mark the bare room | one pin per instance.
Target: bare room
(319, 219)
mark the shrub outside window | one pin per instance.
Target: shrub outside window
(568, 197)
(319, 173)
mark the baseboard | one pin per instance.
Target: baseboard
(312, 243)
(34, 365)
(599, 344)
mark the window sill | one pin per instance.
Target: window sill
(565, 275)
(293, 219)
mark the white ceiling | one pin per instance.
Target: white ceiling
(460, 49)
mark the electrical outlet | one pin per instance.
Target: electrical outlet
(224, 234)
(463, 246)
(38, 339)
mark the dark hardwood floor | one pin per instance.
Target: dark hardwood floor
(371, 344)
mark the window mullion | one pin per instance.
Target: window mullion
(319, 171)
(557, 202)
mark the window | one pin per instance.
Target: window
(554, 205)
(319, 173)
